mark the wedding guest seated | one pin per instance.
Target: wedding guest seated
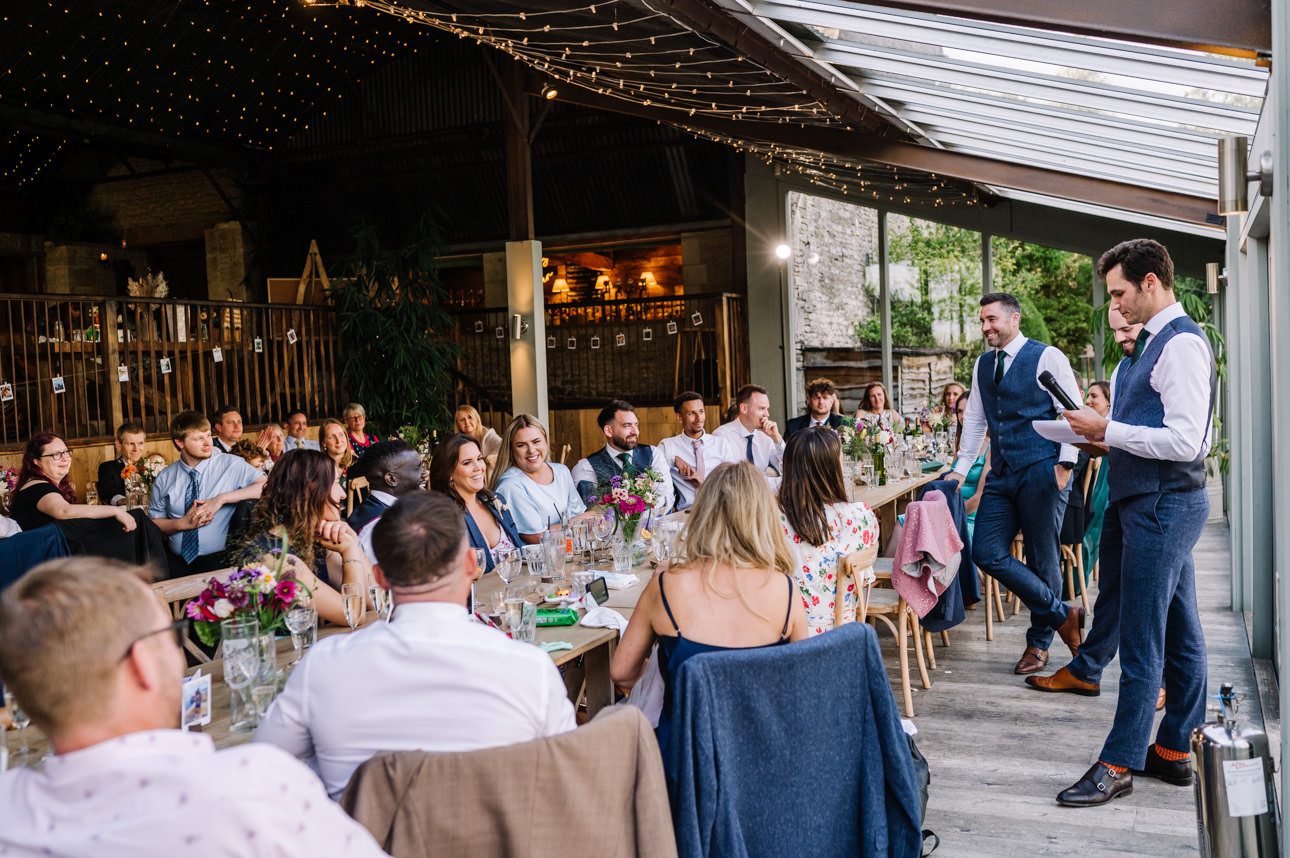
(540, 493)
(356, 420)
(457, 470)
(273, 441)
(227, 428)
(46, 495)
(193, 499)
(821, 408)
(875, 407)
(694, 453)
(251, 453)
(96, 663)
(733, 590)
(392, 469)
(335, 443)
(752, 433)
(430, 679)
(975, 479)
(131, 439)
(298, 433)
(301, 502)
(950, 395)
(822, 526)
(468, 422)
(622, 454)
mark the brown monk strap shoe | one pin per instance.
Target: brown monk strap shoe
(1072, 630)
(1160, 700)
(1032, 660)
(1064, 680)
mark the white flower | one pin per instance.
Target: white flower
(223, 609)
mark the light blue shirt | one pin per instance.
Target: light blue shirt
(290, 443)
(535, 506)
(218, 474)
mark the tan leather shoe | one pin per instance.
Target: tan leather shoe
(1032, 660)
(1072, 630)
(1064, 680)
(1160, 703)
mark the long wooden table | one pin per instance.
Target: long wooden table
(889, 501)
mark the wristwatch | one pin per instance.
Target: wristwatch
(1070, 466)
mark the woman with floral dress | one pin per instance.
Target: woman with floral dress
(822, 526)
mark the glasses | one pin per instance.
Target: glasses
(179, 628)
(61, 454)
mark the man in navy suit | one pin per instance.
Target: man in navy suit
(821, 405)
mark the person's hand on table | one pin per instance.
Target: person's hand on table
(1088, 423)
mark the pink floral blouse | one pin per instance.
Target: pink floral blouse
(852, 526)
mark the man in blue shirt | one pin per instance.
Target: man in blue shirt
(193, 499)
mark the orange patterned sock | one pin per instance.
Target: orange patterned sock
(1119, 770)
(1171, 756)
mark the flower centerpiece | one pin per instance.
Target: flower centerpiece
(8, 485)
(629, 495)
(140, 475)
(256, 591)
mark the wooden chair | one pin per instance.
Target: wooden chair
(564, 452)
(882, 605)
(852, 566)
(175, 594)
(358, 489)
(1073, 555)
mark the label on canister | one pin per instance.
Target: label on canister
(1246, 793)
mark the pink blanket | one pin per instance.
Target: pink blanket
(927, 558)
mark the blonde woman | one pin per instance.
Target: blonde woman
(468, 422)
(734, 589)
(875, 407)
(272, 440)
(539, 493)
(335, 443)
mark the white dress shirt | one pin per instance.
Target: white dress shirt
(165, 793)
(430, 679)
(365, 535)
(1181, 376)
(663, 500)
(292, 443)
(715, 450)
(766, 453)
(974, 422)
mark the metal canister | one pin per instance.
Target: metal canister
(1236, 802)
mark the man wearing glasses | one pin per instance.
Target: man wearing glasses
(95, 661)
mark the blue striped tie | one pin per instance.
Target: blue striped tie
(749, 454)
(191, 540)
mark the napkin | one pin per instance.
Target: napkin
(554, 646)
(620, 580)
(602, 618)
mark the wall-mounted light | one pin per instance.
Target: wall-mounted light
(783, 251)
(519, 326)
(103, 257)
(549, 92)
(1234, 176)
(1214, 272)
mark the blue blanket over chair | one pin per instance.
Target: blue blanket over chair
(27, 549)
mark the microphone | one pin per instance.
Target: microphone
(1050, 384)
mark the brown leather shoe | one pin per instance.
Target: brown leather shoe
(1032, 660)
(1064, 680)
(1160, 701)
(1072, 630)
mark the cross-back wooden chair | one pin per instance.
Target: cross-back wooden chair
(564, 452)
(357, 491)
(174, 595)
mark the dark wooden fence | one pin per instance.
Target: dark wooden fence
(81, 366)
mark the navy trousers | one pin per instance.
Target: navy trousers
(1027, 500)
(1147, 542)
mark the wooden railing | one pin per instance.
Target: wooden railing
(82, 366)
(643, 350)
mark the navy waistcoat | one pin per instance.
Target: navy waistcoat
(1012, 405)
(1136, 404)
(606, 467)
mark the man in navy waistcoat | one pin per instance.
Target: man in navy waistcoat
(1161, 408)
(622, 454)
(1029, 478)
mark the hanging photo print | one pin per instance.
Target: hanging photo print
(571, 343)
(123, 373)
(6, 392)
(595, 342)
(696, 319)
(620, 340)
(59, 385)
(259, 346)
(164, 366)
(671, 328)
(291, 336)
(647, 334)
(479, 326)
(550, 342)
(217, 354)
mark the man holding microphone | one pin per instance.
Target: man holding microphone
(1157, 433)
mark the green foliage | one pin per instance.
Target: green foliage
(911, 326)
(395, 332)
(1032, 321)
(1058, 285)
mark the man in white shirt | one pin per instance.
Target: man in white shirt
(752, 433)
(622, 453)
(298, 433)
(429, 679)
(227, 427)
(694, 453)
(94, 660)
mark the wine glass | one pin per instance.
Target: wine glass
(579, 533)
(352, 596)
(507, 564)
(602, 527)
(301, 619)
(20, 720)
(381, 601)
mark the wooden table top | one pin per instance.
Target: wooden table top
(877, 496)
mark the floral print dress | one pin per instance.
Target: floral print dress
(852, 526)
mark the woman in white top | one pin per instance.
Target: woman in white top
(822, 526)
(540, 494)
(875, 407)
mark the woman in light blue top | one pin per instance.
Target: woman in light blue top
(540, 494)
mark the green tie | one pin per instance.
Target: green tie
(626, 460)
(1143, 336)
(999, 355)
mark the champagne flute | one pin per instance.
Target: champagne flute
(378, 595)
(352, 596)
(300, 619)
(20, 720)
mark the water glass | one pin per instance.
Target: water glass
(352, 598)
(521, 619)
(535, 557)
(622, 557)
(553, 544)
(508, 564)
(302, 622)
(243, 656)
(91, 494)
(581, 579)
(580, 533)
(4, 750)
(382, 601)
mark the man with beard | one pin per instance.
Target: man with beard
(622, 454)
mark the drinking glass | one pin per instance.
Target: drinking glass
(580, 533)
(521, 619)
(242, 655)
(382, 603)
(553, 544)
(20, 720)
(91, 493)
(536, 559)
(352, 596)
(508, 564)
(602, 528)
(481, 559)
(622, 552)
(4, 750)
(302, 622)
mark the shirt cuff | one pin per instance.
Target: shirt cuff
(1068, 453)
(963, 465)
(1115, 434)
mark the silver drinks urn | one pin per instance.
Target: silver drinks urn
(1236, 802)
